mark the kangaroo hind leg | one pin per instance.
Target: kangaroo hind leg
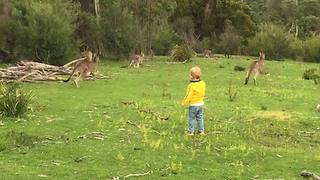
(255, 78)
(76, 81)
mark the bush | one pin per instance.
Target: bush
(119, 40)
(165, 40)
(296, 49)
(312, 74)
(6, 41)
(272, 40)
(239, 68)
(180, 54)
(89, 31)
(308, 50)
(311, 50)
(230, 41)
(44, 30)
(14, 101)
(17, 140)
(205, 43)
(232, 92)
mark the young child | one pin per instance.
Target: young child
(194, 99)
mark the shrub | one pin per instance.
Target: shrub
(239, 68)
(44, 30)
(165, 40)
(180, 54)
(14, 101)
(312, 49)
(122, 38)
(89, 31)
(6, 41)
(232, 92)
(312, 74)
(272, 40)
(17, 140)
(230, 41)
(297, 49)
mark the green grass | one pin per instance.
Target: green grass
(270, 131)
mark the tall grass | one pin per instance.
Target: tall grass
(14, 101)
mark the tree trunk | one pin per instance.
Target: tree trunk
(297, 28)
(297, 25)
(5, 9)
(96, 8)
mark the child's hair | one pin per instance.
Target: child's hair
(195, 72)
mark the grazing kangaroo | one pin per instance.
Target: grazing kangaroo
(256, 68)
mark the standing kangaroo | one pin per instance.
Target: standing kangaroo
(136, 60)
(84, 67)
(256, 68)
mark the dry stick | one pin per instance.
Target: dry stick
(129, 122)
(45, 73)
(74, 61)
(27, 75)
(26, 71)
(136, 175)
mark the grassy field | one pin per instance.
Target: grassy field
(133, 123)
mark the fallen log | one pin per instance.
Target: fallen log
(29, 71)
(73, 62)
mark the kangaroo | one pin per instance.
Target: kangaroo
(151, 53)
(83, 68)
(87, 54)
(256, 68)
(306, 174)
(207, 53)
(136, 60)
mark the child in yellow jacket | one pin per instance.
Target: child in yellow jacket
(194, 99)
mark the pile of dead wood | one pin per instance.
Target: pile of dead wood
(28, 71)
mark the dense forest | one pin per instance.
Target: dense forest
(53, 31)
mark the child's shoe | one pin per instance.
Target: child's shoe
(190, 133)
(202, 133)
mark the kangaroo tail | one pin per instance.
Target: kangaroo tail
(246, 81)
(67, 79)
(73, 71)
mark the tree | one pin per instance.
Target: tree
(272, 40)
(230, 41)
(135, 24)
(88, 21)
(209, 16)
(44, 30)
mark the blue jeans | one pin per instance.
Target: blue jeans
(196, 112)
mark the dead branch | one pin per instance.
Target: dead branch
(137, 175)
(27, 75)
(73, 62)
(133, 124)
(29, 71)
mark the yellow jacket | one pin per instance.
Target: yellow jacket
(195, 93)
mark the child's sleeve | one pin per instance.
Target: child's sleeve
(188, 96)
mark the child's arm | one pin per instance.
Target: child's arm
(188, 96)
